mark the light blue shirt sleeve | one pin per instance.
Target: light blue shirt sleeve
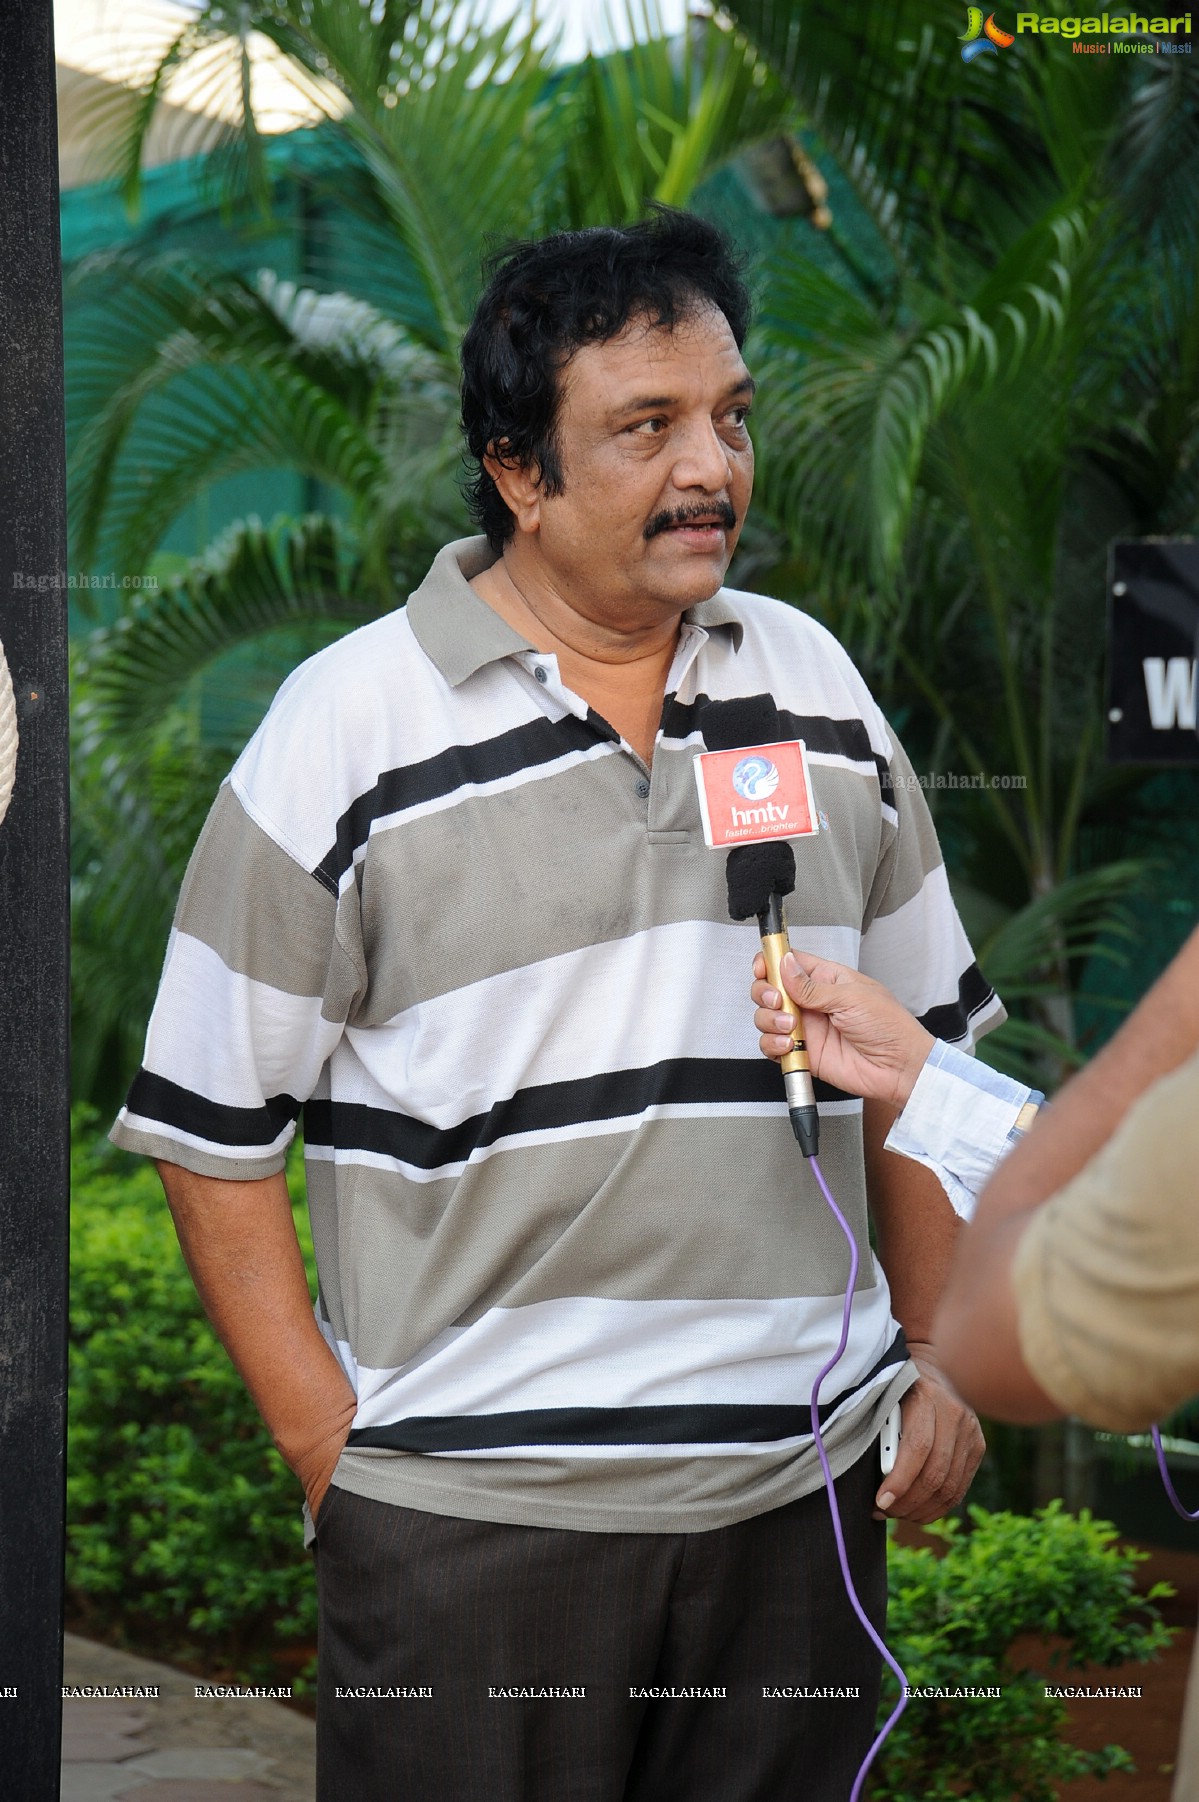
(959, 1122)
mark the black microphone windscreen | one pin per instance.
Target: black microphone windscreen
(755, 872)
(747, 720)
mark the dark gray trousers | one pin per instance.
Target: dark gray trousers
(464, 1608)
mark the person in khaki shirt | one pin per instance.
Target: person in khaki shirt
(1076, 1288)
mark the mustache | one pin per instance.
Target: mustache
(721, 511)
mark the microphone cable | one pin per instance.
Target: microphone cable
(1155, 1434)
(758, 876)
(876, 1638)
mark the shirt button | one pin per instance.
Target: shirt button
(642, 788)
(540, 673)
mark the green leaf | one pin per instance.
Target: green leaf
(254, 580)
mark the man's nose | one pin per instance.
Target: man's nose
(703, 460)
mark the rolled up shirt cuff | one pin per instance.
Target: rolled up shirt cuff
(960, 1122)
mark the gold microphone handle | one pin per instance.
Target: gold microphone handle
(775, 946)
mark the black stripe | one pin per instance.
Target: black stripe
(885, 782)
(952, 1018)
(688, 1423)
(157, 1099)
(612, 1095)
(847, 738)
(524, 747)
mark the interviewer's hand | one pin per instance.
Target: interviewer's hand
(940, 1447)
(859, 1037)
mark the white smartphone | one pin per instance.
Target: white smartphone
(888, 1444)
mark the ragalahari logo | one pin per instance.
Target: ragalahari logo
(982, 36)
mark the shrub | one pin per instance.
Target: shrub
(952, 1623)
(183, 1523)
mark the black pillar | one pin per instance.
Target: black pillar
(34, 1148)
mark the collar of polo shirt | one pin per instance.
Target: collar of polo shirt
(460, 633)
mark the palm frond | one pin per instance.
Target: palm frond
(650, 122)
(927, 145)
(849, 401)
(254, 580)
(187, 376)
(1077, 918)
(132, 827)
(458, 89)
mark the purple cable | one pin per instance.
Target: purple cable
(1170, 1490)
(838, 1535)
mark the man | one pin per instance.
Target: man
(1076, 1290)
(575, 1285)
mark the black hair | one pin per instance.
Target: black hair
(544, 300)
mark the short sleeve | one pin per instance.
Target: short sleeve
(912, 938)
(259, 979)
(1106, 1274)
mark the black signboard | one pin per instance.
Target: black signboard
(1153, 651)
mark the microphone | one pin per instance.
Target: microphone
(758, 878)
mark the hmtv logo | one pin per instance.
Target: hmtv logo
(982, 36)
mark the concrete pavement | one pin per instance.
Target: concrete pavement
(160, 1741)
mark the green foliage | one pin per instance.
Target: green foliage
(953, 1622)
(983, 371)
(957, 423)
(183, 1524)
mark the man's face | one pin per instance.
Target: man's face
(657, 470)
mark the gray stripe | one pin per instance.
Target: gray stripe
(911, 850)
(629, 1216)
(655, 1495)
(320, 1185)
(512, 878)
(205, 1163)
(264, 915)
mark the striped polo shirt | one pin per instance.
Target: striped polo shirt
(569, 1255)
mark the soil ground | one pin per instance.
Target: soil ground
(1147, 1727)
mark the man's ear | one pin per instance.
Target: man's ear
(519, 486)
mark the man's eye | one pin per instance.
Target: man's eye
(739, 416)
(649, 428)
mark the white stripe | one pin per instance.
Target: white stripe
(342, 1350)
(920, 950)
(593, 1352)
(704, 1449)
(694, 738)
(790, 655)
(159, 1129)
(613, 1006)
(329, 732)
(231, 1039)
